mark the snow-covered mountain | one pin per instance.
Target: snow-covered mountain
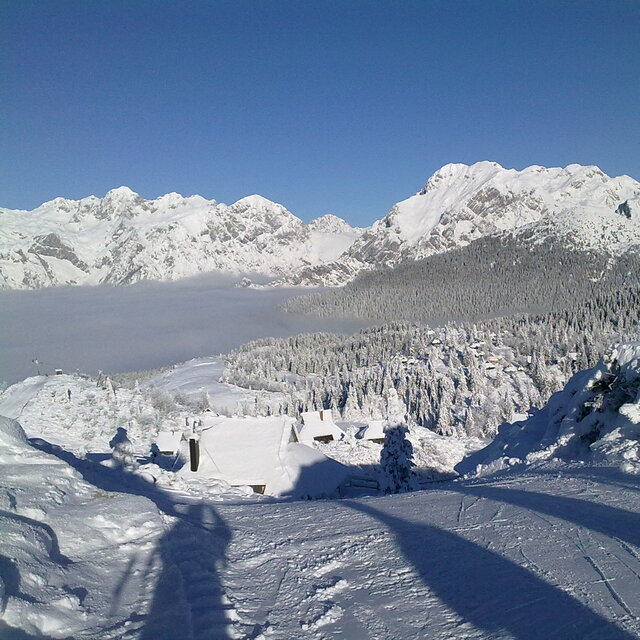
(123, 238)
(459, 204)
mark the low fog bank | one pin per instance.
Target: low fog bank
(141, 326)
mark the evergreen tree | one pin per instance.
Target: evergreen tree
(122, 453)
(396, 461)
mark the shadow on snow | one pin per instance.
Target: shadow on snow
(492, 592)
(188, 599)
(483, 588)
(610, 521)
(489, 591)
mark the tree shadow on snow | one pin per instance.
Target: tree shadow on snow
(188, 598)
(611, 521)
(602, 475)
(489, 591)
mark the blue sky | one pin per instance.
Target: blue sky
(343, 107)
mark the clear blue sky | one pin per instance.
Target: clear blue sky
(343, 107)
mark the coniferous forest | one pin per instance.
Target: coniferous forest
(493, 276)
(462, 378)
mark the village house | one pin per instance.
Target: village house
(168, 442)
(374, 431)
(318, 426)
(264, 454)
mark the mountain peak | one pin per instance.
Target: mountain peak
(330, 223)
(121, 193)
(256, 201)
(457, 171)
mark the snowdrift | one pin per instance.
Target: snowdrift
(595, 417)
(63, 546)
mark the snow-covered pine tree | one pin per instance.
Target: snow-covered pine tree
(396, 461)
(122, 453)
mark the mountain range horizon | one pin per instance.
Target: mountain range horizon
(123, 188)
(123, 238)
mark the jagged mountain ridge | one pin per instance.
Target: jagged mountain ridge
(123, 238)
(579, 205)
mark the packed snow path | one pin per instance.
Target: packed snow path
(546, 556)
(549, 554)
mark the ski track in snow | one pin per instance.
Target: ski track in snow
(336, 578)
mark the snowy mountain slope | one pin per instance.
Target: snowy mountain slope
(198, 380)
(123, 238)
(596, 415)
(82, 559)
(460, 203)
(95, 552)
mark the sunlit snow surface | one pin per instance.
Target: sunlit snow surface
(93, 552)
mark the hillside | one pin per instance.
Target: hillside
(458, 379)
(493, 276)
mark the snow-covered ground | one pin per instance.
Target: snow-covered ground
(546, 545)
(435, 456)
(200, 378)
(93, 552)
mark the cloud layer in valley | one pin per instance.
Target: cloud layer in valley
(137, 327)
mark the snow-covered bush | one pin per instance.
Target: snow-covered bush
(162, 401)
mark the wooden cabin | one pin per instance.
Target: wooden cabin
(266, 455)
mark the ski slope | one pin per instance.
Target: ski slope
(90, 551)
(201, 377)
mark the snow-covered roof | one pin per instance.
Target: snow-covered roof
(263, 451)
(374, 430)
(318, 424)
(168, 440)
